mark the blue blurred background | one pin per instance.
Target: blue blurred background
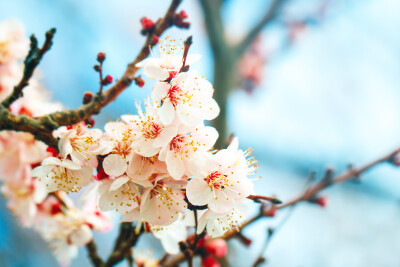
(329, 99)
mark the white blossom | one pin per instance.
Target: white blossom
(63, 174)
(188, 97)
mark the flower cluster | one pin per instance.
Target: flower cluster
(157, 168)
(62, 225)
(158, 165)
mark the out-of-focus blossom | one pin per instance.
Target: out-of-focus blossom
(80, 143)
(63, 174)
(171, 235)
(168, 64)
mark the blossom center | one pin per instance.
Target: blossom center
(152, 130)
(174, 94)
(177, 143)
(216, 180)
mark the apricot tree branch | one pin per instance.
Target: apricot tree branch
(42, 127)
(33, 59)
(269, 16)
(94, 257)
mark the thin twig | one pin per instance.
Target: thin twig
(94, 257)
(269, 16)
(307, 195)
(257, 198)
(187, 43)
(42, 127)
(32, 60)
(271, 233)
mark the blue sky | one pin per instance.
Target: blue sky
(331, 99)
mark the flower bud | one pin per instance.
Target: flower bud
(154, 39)
(147, 23)
(210, 262)
(101, 57)
(179, 20)
(55, 208)
(101, 174)
(52, 151)
(217, 247)
(270, 212)
(183, 14)
(87, 97)
(321, 201)
(90, 122)
(107, 80)
(97, 68)
(139, 81)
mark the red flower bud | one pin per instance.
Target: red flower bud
(210, 262)
(321, 201)
(87, 97)
(147, 23)
(101, 174)
(55, 208)
(183, 14)
(270, 212)
(52, 151)
(217, 247)
(101, 57)
(90, 122)
(107, 80)
(154, 39)
(139, 81)
(97, 68)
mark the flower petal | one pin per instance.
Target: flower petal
(198, 192)
(114, 165)
(160, 90)
(167, 112)
(155, 72)
(118, 182)
(175, 165)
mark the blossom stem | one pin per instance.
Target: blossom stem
(188, 42)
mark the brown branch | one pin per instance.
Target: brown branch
(258, 198)
(42, 127)
(307, 195)
(123, 246)
(33, 59)
(187, 43)
(214, 26)
(70, 117)
(269, 16)
(94, 257)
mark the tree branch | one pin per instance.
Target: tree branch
(33, 59)
(94, 257)
(214, 26)
(42, 127)
(269, 16)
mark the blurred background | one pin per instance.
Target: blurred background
(318, 87)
